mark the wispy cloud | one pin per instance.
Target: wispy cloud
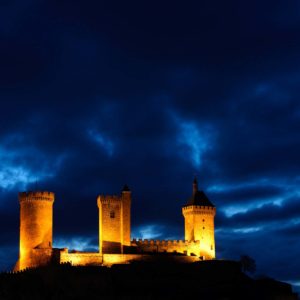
(149, 231)
(23, 166)
(193, 139)
(103, 141)
(76, 243)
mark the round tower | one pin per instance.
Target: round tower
(199, 214)
(36, 214)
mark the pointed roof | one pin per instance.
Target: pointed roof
(126, 188)
(200, 199)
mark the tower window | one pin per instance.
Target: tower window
(203, 220)
(203, 227)
(112, 214)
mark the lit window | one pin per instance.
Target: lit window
(112, 214)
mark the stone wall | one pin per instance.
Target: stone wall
(167, 246)
(111, 259)
(81, 258)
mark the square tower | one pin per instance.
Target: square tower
(199, 214)
(114, 222)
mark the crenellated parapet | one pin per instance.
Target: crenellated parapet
(106, 199)
(167, 246)
(199, 210)
(163, 242)
(36, 196)
(80, 258)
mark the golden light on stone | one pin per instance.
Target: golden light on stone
(115, 244)
(35, 228)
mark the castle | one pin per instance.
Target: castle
(115, 244)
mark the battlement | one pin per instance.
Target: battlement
(80, 258)
(196, 209)
(187, 207)
(108, 199)
(167, 246)
(36, 196)
(180, 243)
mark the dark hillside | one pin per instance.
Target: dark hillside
(163, 280)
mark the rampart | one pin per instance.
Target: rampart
(199, 210)
(35, 196)
(111, 259)
(81, 258)
(167, 246)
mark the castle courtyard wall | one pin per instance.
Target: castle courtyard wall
(167, 246)
(81, 258)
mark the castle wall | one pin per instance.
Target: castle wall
(167, 246)
(35, 227)
(111, 259)
(96, 259)
(81, 258)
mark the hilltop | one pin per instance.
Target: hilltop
(141, 280)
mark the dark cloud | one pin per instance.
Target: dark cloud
(247, 194)
(288, 210)
(95, 95)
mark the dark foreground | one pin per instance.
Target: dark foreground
(203, 280)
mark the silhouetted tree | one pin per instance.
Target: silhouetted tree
(247, 264)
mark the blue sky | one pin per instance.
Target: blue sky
(95, 95)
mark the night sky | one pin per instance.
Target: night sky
(151, 93)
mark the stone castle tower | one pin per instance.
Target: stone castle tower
(199, 214)
(114, 222)
(36, 214)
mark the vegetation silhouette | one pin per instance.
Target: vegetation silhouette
(248, 264)
(214, 279)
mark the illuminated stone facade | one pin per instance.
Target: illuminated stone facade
(115, 244)
(199, 215)
(36, 213)
(114, 222)
(168, 246)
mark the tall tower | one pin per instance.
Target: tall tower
(114, 222)
(36, 214)
(199, 214)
